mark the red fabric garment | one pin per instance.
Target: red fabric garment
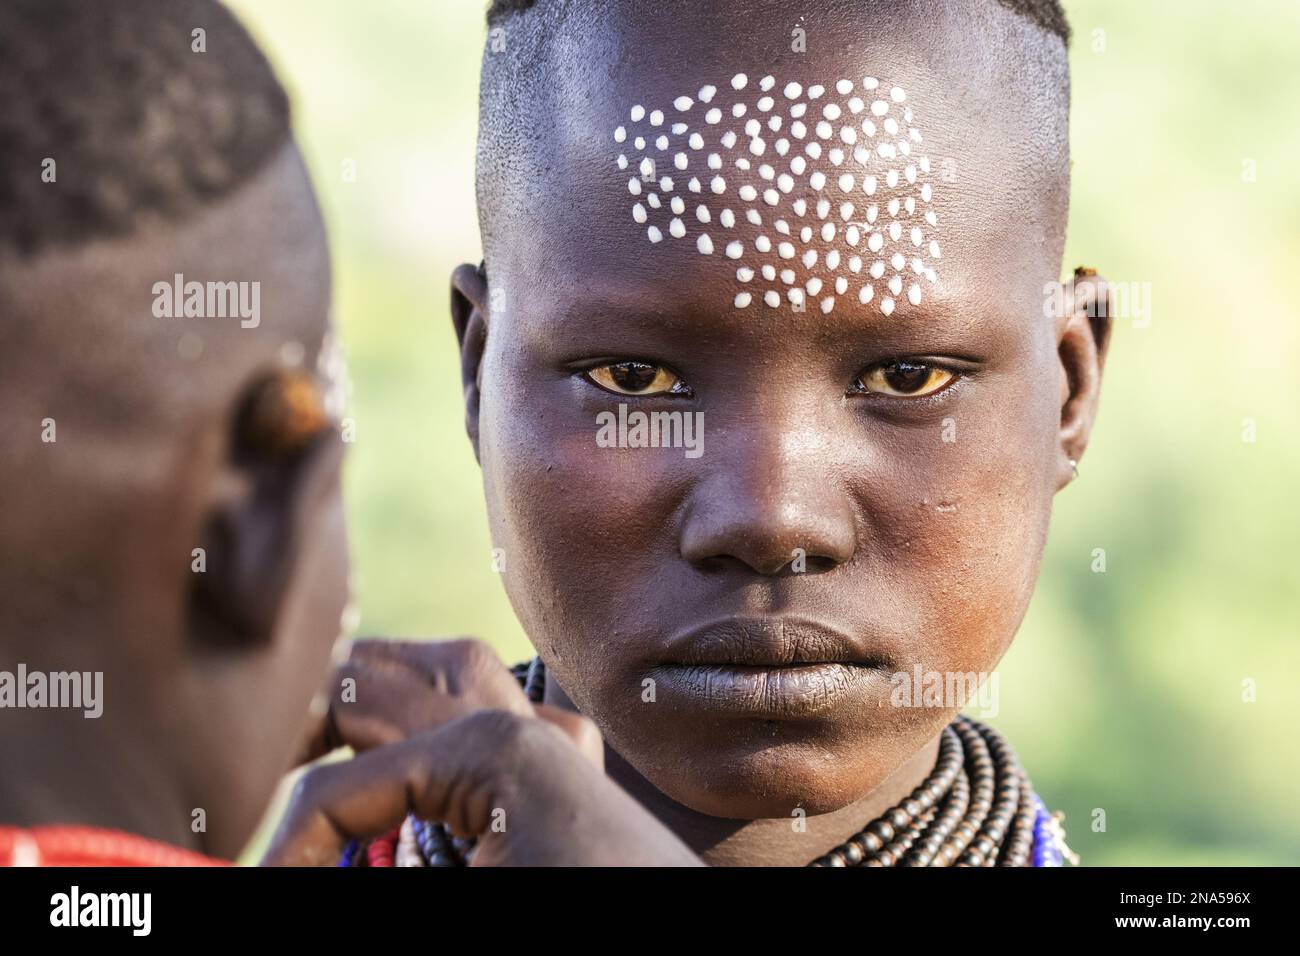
(91, 846)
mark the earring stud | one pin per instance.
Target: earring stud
(1074, 468)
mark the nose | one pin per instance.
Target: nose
(766, 501)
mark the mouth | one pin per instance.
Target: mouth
(775, 668)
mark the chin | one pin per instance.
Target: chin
(754, 781)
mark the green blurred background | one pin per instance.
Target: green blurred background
(1124, 690)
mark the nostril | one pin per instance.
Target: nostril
(797, 562)
(813, 564)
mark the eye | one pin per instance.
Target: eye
(905, 379)
(637, 378)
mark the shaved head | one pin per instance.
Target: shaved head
(988, 84)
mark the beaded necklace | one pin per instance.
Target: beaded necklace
(976, 808)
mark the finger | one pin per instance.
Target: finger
(450, 774)
(379, 705)
(387, 690)
(582, 731)
(462, 667)
(319, 736)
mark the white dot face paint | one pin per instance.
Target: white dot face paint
(813, 191)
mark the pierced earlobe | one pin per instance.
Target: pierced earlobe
(281, 449)
(1084, 333)
(282, 415)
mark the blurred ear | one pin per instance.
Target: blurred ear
(469, 290)
(1083, 336)
(262, 514)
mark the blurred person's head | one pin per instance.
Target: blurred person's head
(825, 240)
(171, 513)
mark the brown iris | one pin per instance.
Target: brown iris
(905, 379)
(635, 378)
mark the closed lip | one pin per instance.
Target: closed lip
(773, 668)
(767, 642)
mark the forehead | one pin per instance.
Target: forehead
(814, 193)
(751, 177)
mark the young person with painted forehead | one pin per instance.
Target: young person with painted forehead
(846, 256)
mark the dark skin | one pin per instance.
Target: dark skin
(919, 551)
(923, 551)
(207, 678)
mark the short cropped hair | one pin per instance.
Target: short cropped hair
(114, 110)
(1046, 13)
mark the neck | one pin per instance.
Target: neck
(769, 842)
(65, 769)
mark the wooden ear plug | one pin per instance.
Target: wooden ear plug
(282, 415)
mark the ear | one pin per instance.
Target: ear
(469, 291)
(254, 537)
(1083, 336)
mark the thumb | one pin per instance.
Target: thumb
(450, 774)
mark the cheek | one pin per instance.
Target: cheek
(314, 618)
(584, 530)
(958, 531)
